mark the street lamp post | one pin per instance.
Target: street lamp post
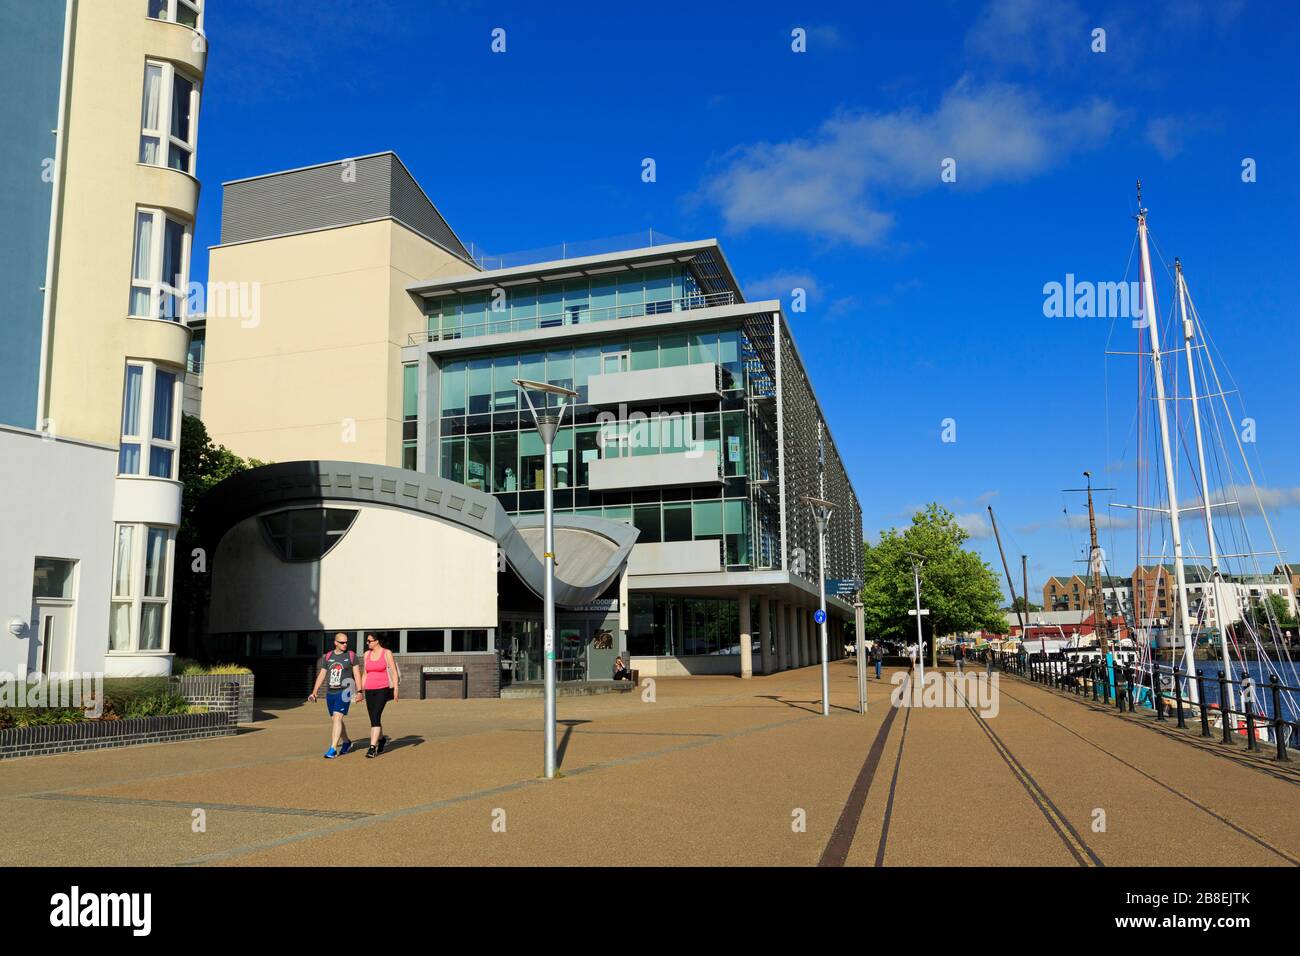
(548, 423)
(821, 510)
(917, 561)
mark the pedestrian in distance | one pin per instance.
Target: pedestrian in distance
(342, 676)
(381, 680)
(958, 656)
(878, 655)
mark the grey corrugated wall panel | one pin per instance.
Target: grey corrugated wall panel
(411, 206)
(320, 197)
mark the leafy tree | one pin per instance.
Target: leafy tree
(1019, 605)
(203, 465)
(961, 591)
(1281, 611)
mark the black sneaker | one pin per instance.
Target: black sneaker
(371, 750)
(383, 742)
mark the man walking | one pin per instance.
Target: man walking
(877, 655)
(958, 656)
(340, 689)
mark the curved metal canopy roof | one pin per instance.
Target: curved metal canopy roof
(590, 552)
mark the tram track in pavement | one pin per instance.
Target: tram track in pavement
(1244, 831)
(1078, 848)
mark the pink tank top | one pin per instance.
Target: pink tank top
(376, 671)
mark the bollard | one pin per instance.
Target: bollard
(1095, 671)
(1128, 675)
(1200, 696)
(1251, 742)
(1223, 709)
(1159, 701)
(1279, 726)
(1119, 689)
(1178, 701)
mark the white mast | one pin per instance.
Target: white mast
(1215, 576)
(1180, 574)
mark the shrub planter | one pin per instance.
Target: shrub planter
(98, 734)
(215, 692)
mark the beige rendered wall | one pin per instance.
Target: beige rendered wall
(317, 374)
(393, 569)
(91, 335)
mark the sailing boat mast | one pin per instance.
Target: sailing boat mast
(1100, 619)
(1171, 489)
(1189, 331)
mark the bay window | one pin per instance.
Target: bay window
(150, 421)
(160, 266)
(168, 117)
(141, 589)
(188, 13)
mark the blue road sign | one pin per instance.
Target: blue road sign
(819, 616)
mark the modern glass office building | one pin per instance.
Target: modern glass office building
(695, 426)
(695, 422)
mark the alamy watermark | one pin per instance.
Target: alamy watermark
(940, 689)
(1082, 299)
(66, 691)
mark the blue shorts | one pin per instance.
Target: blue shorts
(337, 703)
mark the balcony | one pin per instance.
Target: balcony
(655, 385)
(500, 323)
(699, 467)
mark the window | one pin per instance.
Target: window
(188, 13)
(141, 589)
(160, 266)
(150, 421)
(169, 115)
(410, 409)
(307, 534)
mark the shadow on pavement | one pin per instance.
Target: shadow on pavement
(564, 741)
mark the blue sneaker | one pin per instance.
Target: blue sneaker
(347, 745)
(331, 754)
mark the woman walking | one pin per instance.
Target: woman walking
(381, 679)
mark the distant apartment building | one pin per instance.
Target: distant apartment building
(383, 343)
(1073, 594)
(97, 204)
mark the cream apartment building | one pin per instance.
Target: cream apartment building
(97, 207)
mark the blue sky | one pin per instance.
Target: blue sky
(821, 170)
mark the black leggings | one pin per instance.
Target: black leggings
(375, 701)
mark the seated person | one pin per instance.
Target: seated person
(620, 670)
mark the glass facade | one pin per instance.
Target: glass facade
(662, 625)
(410, 413)
(573, 302)
(488, 442)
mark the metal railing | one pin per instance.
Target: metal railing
(1129, 686)
(571, 316)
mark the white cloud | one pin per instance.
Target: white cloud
(832, 183)
(1035, 34)
(976, 524)
(780, 284)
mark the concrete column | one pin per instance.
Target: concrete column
(800, 628)
(792, 630)
(746, 636)
(782, 637)
(765, 634)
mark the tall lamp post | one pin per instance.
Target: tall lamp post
(547, 421)
(821, 510)
(917, 561)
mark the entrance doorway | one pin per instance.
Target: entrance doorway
(53, 604)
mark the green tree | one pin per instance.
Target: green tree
(961, 591)
(203, 465)
(1019, 605)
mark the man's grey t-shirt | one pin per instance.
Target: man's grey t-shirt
(338, 671)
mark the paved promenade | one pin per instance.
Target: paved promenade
(715, 771)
